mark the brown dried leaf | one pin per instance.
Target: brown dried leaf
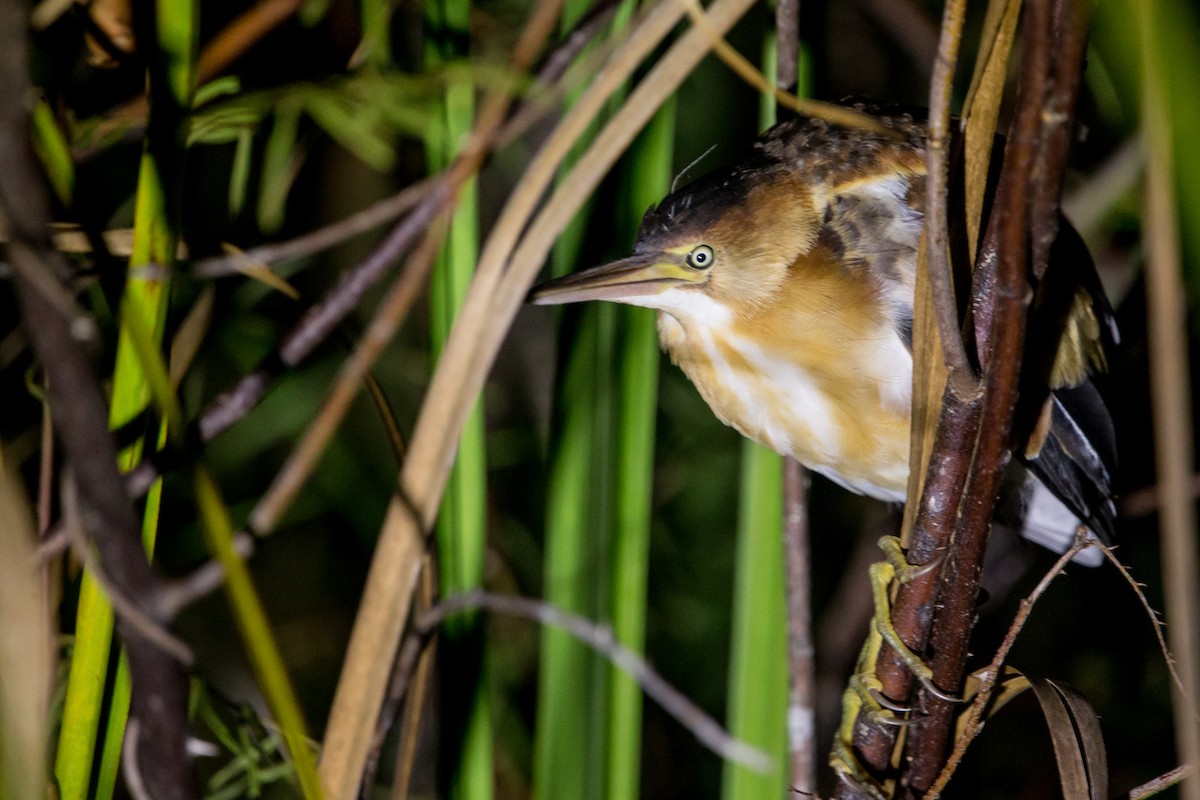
(1078, 743)
(929, 382)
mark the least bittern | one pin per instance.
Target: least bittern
(784, 285)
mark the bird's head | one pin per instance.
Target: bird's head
(724, 242)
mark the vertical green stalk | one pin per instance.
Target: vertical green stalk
(572, 725)
(145, 300)
(758, 685)
(462, 523)
(565, 745)
(758, 670)
(650, 176)
(256, 632)
(239, 588)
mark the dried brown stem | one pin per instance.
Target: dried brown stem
(961, 379)
(999, 302)
(802, 730)
(1170, 393)
(1164, 781)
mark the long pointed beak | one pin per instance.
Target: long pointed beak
(642, 275)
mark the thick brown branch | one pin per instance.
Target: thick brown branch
(912, 609)
(972, 441)
(1024, 208)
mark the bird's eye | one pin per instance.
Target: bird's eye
(701, 257)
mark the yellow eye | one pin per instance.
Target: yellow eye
(701, 257)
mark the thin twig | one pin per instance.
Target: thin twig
(1159, 626)
(1164, 781)
(961, 379)
(600, 638)
(991, 674)
(802, 728)
(323, 238)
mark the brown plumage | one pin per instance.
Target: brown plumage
(785, 288)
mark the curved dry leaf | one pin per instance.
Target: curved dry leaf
(1078, 744)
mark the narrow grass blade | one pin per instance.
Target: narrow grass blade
(758, 671)
(144, 302)
(462, 522)
(650, 177)
(256, 632)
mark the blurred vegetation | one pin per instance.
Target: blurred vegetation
(598, 478)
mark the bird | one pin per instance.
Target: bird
(784, 284)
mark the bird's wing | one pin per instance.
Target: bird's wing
(1066, 433)
(874, 224)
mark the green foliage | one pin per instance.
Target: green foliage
(250, 759)
(366, 112)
